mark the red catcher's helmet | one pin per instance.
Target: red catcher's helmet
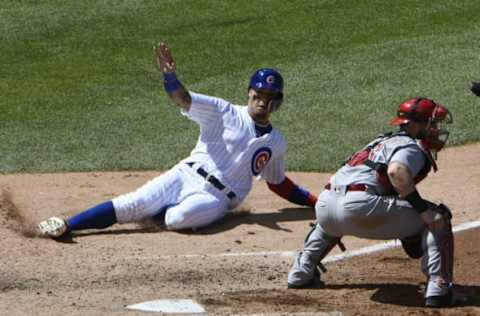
(415, 109)
(424, 110)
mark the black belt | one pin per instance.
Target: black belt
(350, 187)
(213, 180)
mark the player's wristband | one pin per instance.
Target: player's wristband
(417, 202)
(170, 82)
(300, 196)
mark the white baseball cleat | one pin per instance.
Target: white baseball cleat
(53, 227)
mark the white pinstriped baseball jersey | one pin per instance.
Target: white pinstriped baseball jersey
(228, 146)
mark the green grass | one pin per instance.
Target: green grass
(79, 89)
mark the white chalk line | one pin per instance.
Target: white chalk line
(332, 258)
(389, 245)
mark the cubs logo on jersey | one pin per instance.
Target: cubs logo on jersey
(260, 159)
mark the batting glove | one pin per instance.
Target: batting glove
(475, 88)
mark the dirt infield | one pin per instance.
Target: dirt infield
(238, 266)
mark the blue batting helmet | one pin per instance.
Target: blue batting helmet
(267, 79)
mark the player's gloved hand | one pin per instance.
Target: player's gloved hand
(475, 88)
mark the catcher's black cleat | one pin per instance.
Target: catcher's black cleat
(439, 301)
(451, 299)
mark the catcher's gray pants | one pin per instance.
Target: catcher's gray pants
(366, 215)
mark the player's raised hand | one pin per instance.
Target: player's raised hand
(164, 58)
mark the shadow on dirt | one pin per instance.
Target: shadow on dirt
(406, 295)
(409, 295)
(132, 231)
(232, 220)
(268, 220)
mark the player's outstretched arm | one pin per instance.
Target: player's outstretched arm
(174, 88)
(292, 192)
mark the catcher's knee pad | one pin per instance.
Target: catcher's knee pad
(413, 246)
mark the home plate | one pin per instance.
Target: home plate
(171, 306)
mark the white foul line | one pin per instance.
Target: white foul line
(342, 256)
(466, 226)
(389, 245)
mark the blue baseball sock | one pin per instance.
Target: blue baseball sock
(100, 216)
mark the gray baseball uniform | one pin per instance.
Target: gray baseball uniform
(358, 203)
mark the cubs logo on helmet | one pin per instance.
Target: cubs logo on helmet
(260, 159)
(267, 79)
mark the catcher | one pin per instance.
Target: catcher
(374, 196)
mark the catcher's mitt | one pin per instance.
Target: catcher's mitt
(444, 210)
(475, 88)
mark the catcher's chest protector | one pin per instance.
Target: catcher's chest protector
(363, 157)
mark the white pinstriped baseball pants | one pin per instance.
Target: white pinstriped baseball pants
(188, 200)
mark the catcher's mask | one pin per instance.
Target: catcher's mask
(435, 115)
(270, 81)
